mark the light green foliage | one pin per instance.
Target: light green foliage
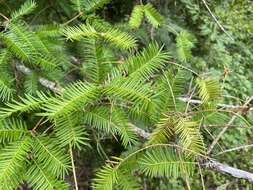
(12, 130)
(24, 104)
(111, 120)
(31, 84)
(185, 42)
(152, 15)
(127, 181)
(136, 16)
(72, 99)
(6, 92)
(12, 162)
(48, 160)
(70, 132)
(187, 132)
(51, 156)
(105, 178)
(170, 88)
(163, 132)
(112, 36)
(25, 9)
(27, 46)
(147, 63)
(209, 89)
(162, 162)
(138, 94)
(77, 5)
(78, 32)
(190, 136)
(88, 5)
(96, 64)
(153, 162)
(41, 179)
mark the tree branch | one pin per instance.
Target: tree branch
(224, 106)
(211, 164)
(43, 81)
(57, 88)
(237, 173)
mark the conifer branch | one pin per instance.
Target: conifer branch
(134, 96)
(57, 88)
(211, 164)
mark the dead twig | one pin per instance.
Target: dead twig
(226, 127)
(216, 20)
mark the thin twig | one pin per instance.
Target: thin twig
(188, 103)
(74, 18)
(216, 20)
(235, 149)
(171, 91)
(201, 176)
(186, 176)
(222, 126)
(5, 17)
(224, 106)
(152, 33)
(212, 137)
(39, 123)
(73, 167)
(220, 135)
(226, 127)
(50, 127)
(183, 67)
